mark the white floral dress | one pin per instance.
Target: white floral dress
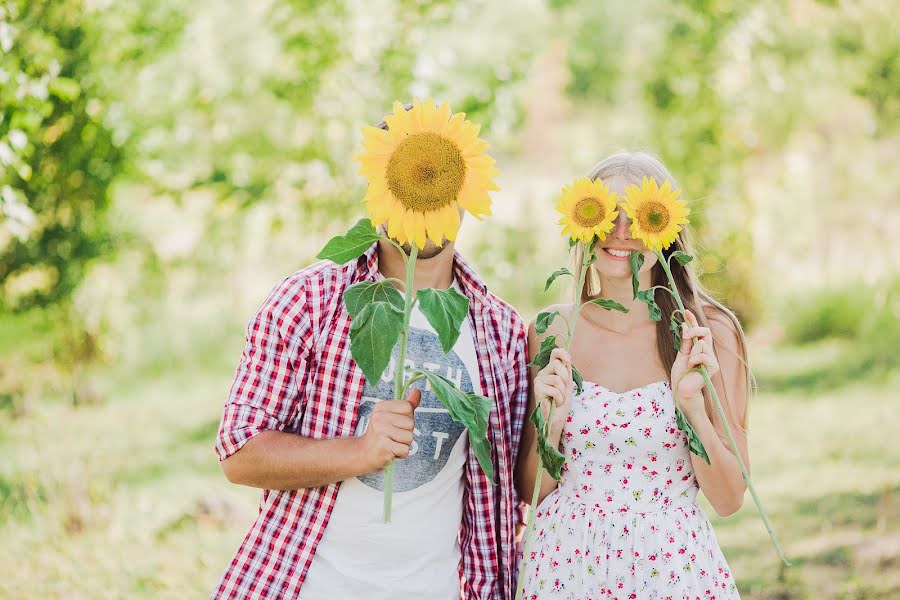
(623, 522)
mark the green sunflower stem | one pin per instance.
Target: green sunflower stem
(721, 412)
(577, 304)
(399, 367)
(532, 513)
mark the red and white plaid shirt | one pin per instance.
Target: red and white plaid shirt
(296, 374)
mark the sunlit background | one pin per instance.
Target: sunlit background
(165, 163)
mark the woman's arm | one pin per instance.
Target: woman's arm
(721, 480)
(553, 383)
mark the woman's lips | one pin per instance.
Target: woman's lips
(617, 253)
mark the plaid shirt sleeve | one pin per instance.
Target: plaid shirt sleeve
(265, 391)
(517, 376)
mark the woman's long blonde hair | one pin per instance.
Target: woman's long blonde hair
(633, 166)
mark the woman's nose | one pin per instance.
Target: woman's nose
(620, 229)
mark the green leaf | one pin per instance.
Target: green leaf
(552, 459)
(609, 304)
(578, 379)
(682, 257)
(358, 295)
(469, 409)
(648, 296)
(694, 443)
(543, 356)
(445, 310)
(635, 261)
(542, 323)
(373, 334)
(553, 277)
(675, 328)
(351, 245)
(64, 88)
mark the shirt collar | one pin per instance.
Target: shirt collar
(472, 286)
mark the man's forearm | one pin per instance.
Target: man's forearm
(275, 460)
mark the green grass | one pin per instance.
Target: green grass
(124, 498)
(825, 462)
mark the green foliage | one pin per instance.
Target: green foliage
(694, 443)
(551, 458)
(469, 409)
(827, 313)
(595, 55)
(358, 295)
(543, 320)
(681, 257)
(866, 318)
(373, 334)
(445, 310)
(609, 304)
(649, 298)
(635, 262)
(675, 328)
(542, 358)
(58, 156)
(555, 275)
(881, 86)
(351, 245)
(578, 380)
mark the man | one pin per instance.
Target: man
(304, 425)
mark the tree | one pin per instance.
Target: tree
(58, 158)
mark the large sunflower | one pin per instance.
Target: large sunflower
(588, 209)
(656, 213)
(421, 168)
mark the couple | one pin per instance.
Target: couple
(304, 425)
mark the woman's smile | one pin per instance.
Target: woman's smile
(618, 253)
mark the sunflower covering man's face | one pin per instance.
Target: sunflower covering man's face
(424, 171)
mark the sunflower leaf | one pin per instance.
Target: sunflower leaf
(351, 245)
(469, 409)
(543, 356)
(635, 261)
(358, 295)
(552, 459)
(694, 443)
(578, 379)
(445, 310)
(682, 257)
(648, 297)
(609, 304)
(553, 277)
(675, 328)
(543, 321)
(373, 334)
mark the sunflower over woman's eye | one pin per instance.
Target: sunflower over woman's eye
(656, 213)
(588, 209)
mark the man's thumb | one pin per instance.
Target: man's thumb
(415, 397)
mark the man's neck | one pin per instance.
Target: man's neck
(435, 272)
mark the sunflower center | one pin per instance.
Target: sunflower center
(653, 216)
(426, 172)
(589, 212)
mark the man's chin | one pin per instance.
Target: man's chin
(429, 251)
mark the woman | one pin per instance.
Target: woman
(623, 521)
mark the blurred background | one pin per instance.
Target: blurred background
(165, 163)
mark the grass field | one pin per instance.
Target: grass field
(122, 497)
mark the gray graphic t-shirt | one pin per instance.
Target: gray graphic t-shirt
(417, 554)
